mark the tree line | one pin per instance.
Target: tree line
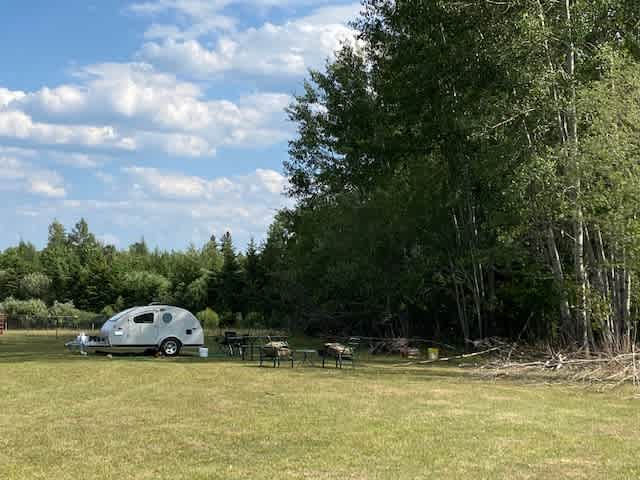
(465, 170)
(76, 273)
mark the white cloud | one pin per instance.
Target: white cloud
(137, 107)
(19, 175)
(19, 125)
(133, 107)
(7, 96)
(164, 104)
(46, 188)
(290, 48)
(62, 100)
(271, 180)
(189, 56)
(171, 207)
(173, 185)
(197, 17)
(155, 182)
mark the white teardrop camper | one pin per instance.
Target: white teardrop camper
(159, 327)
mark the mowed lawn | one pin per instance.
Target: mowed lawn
(63, 416)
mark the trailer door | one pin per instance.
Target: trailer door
(144, 330)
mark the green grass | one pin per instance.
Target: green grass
(63, 416)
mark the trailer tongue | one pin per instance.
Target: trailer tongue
(84, 342)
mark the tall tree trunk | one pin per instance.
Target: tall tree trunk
(597, 258)
(460, 304)
(582, 319)
(556, 267)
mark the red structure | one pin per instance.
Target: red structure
(3, 323)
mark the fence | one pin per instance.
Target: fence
(52, 322)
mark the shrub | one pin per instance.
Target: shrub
(63, 309)
(66, 313)
(34, 307)
(209, 318)
(25, 310)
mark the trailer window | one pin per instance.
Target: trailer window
(167, 317)
(119, 315)
(144, 318)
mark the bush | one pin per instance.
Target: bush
(21, 308)
(26, 311)
(209, 318)
(63, 309)
(65, 313)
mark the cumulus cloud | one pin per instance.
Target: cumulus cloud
(175, 185)
(133, 107)
(244, 204)
(168, 207)
(137, 106)
(163, 105)
(290, 48)
(19, 125)
(7, 96)
(19, 175)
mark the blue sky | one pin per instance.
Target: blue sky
(160, 119)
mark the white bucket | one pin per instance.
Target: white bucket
(203, 352)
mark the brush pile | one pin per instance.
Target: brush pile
(525, 361)
(497, 358)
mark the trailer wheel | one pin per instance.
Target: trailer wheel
(170, 347)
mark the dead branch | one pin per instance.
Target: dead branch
(446, 359)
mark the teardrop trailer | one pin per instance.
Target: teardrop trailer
(163, 328)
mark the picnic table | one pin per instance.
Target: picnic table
(307, 356)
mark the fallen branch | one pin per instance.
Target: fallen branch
(446, 359)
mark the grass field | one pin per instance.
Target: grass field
(63, 416)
